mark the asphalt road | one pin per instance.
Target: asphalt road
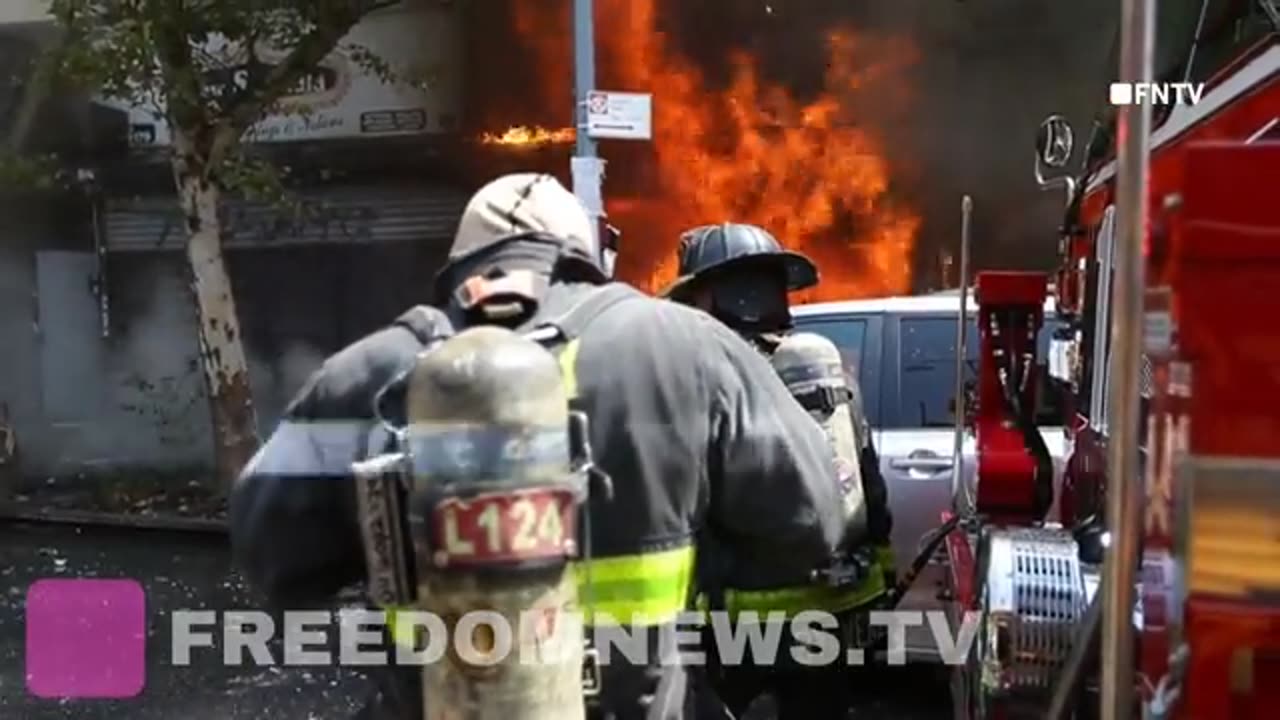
(177, 571)
(193, 572)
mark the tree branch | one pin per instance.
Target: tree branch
(36, 87)
(310, 50)
(182, 82)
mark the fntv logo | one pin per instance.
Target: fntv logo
(1179, 93)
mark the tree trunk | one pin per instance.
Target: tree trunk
(226, 372)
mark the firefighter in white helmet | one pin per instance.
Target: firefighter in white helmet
(741, 275)
(696, 431)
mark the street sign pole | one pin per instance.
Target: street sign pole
(586, 167)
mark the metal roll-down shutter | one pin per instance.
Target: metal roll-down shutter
(335, 216)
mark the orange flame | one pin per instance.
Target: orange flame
(525, 136)
(750, 152)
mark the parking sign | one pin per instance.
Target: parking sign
(619, 116)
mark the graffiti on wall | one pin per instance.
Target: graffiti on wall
(170, 406)
(302, 221)
(295, 223)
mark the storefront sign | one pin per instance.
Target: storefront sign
(341, 99)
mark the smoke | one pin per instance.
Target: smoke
(160, 411)
(277, 379)
(159, 390)
(985, 74)
(989, 71)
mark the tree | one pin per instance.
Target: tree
(201, 62)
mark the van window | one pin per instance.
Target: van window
(928, 371)
(850, 336)
(1051, 395)
(927, 379)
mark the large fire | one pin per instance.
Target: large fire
(746, 152)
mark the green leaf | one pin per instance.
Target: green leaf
(43, 172)
(254, 178)
(213, 67)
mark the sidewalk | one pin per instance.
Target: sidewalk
(132, 502)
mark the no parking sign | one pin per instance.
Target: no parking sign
(619, 116)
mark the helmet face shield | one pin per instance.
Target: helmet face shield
(751, 298)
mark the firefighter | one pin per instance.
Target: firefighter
(741, 275)
(694, 429)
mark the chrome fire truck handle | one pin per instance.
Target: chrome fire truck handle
(921, 464)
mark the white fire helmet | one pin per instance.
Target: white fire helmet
(811, 367)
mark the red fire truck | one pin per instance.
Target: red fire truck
(1158, 593)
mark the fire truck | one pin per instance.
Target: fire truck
(1155, 591)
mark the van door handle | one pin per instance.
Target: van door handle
(921, 464)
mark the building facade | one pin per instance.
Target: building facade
(99, 372)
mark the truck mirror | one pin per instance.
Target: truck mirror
(1055, 141)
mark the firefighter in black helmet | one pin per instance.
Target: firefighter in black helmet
(742, 276)
(696, 431)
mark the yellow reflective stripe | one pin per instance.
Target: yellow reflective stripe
(885, 558)
(402, 632)
(645, 589)
(569, 368)
(794, 600)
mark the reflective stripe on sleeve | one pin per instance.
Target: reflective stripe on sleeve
(403, 633)
(569, 369)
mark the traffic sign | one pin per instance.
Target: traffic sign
(619, 116)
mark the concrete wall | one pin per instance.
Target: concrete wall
(22, 229)
(24, 11)
(82, 403)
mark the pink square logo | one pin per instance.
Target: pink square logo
(86, 638)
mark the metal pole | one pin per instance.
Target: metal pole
(1133, 136)
(1071, 676)
(961, 501)
(586, 167)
